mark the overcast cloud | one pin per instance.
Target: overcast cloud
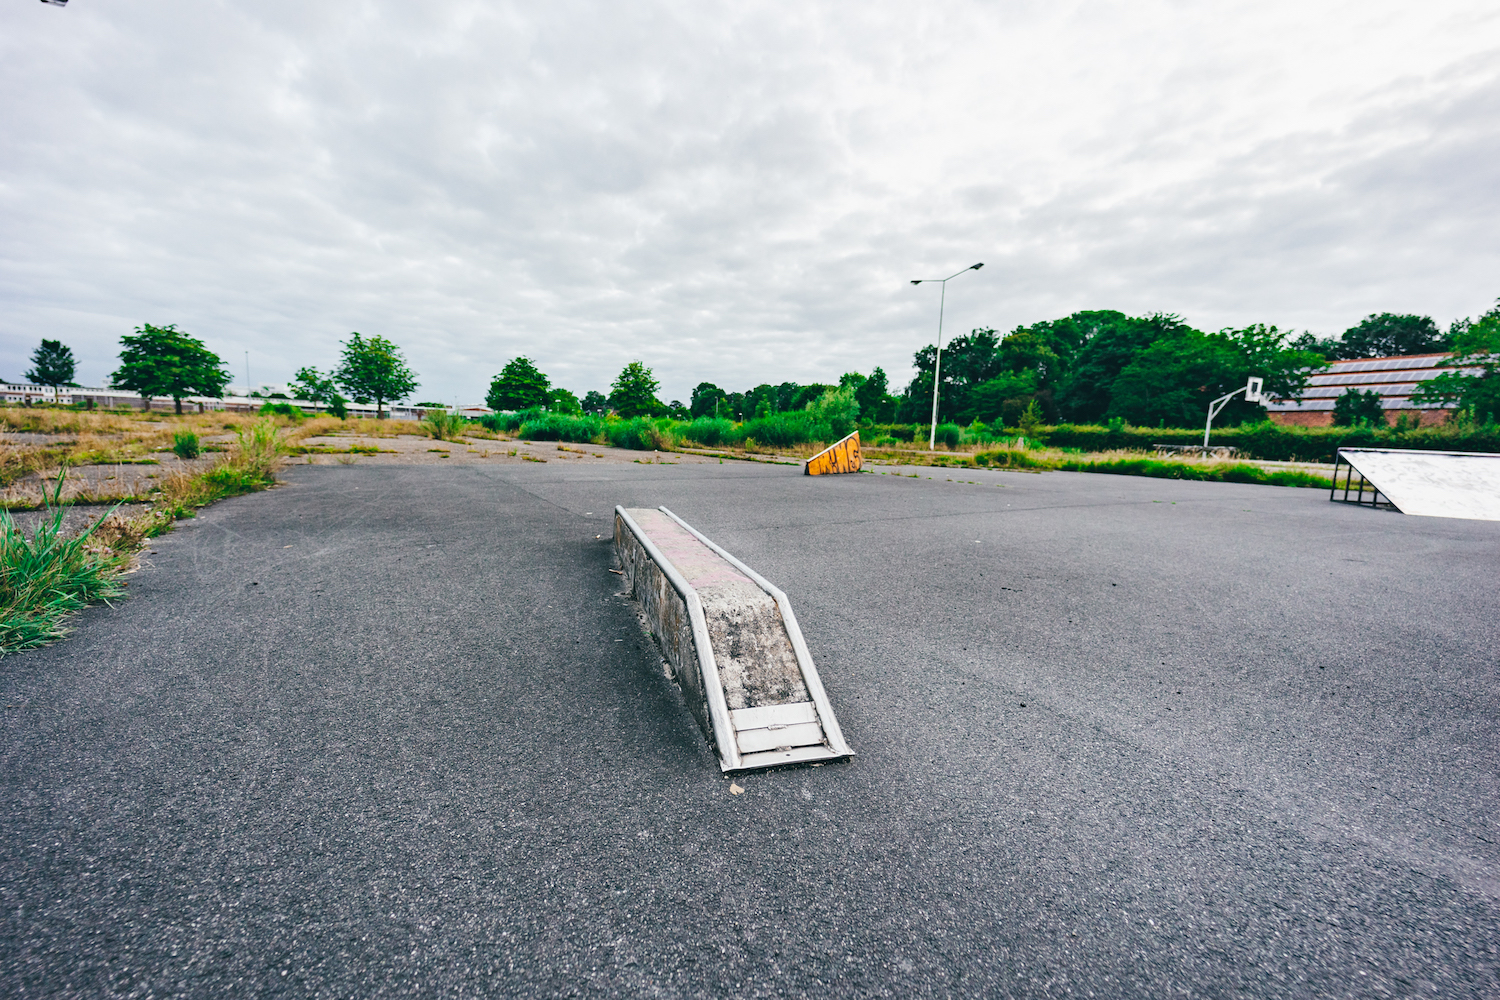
(732, 192)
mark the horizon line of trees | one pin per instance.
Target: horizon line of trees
(1093, 366)
(163, 361)
(1090, 367)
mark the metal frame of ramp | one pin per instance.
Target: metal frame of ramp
(733, 643)
(1462, 484)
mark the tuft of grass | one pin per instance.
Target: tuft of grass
(45, 576)
(185, 444)
(443, 426)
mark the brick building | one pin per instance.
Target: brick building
(1395, 379)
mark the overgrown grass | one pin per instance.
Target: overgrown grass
(442, 425)
(779, 430)
(1118, 464)
(1207, 472)
(185, 445)
(45, 575)
(544, 426)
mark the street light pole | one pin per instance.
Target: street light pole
(937, 361)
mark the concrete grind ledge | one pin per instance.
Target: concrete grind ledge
(731, 643)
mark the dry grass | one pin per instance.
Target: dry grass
(47, 573)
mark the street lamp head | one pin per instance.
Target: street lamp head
(976, 267)
(917, 281)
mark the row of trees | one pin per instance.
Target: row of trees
(521, 386)
(1152, 370)
(158, 361)
(1086, 368)
(1089, 367)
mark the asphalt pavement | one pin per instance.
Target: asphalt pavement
(393, 731)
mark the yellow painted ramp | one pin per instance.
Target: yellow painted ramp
(841, 457)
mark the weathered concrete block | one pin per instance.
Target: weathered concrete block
(731, 641)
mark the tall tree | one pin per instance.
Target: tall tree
(560, 400)
(707, 400)
(966, 362)
(164, 361)
(1112, 341)
(315, 387)
(594, 401)
(519, 386)
(1381, 335)
(633, 393)
(1475, 384)
(374, 370)
(53, 365)
(874, 397)
(1176, 377)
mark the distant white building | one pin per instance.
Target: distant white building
(235, 400)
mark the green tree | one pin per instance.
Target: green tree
(164, 361)
(1004, 398)
(874, 397)
(1475, 384)
(706, 401)
(1111, 342)
(1381, 335)
(313, 386)
(594, 401)
(967, 362)
(633, 393)
(1356, 408)
(519, 386)
(374, 370)
(52, 364)
(1327, 347)
(837, 408)
(1174, 379)
(762, 401)
(560, 400)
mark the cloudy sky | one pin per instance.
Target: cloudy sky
(735, 192)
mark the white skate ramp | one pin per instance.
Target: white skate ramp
(1433, 483)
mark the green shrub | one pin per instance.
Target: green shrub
(442, 425)
(185, 444)
(543, 426)
(1277, 442)
(44, 576)
(639, 433)
(269, 409)
(511, 422)
(1219, 472)
(710, 431)
(949, 434)
(835, 409)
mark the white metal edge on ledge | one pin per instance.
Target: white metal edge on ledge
(713, 691)
(810, 677)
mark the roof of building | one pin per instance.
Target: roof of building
(1394, 378)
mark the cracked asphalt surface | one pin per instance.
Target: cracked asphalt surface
(392, 731)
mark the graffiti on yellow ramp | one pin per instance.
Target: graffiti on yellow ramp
(841, 457)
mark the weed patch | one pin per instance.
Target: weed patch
(45, 576)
